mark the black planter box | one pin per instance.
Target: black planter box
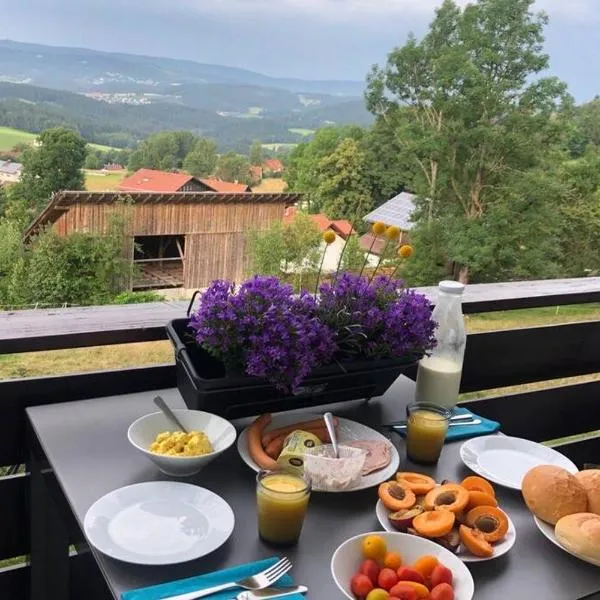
(204, 385)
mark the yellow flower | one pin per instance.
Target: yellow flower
(378, 228)
(329, 237)
(392, 232)
(405, 251)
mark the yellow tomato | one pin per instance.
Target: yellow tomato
(374, 546)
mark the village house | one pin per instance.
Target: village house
(273, 167)
(10, 172)
(175, 239)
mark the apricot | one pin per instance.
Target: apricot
(450, 497)
(418, 483)
(490, 521)
(478, 484)
(426, 564)
(477, 498)
(474, 542)
(434, 524)
(396, 496)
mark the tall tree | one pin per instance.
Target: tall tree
(164, 151)
(256, 155)
(202, 160)
(343, 191)
(233, 167)
(465, 106)
(54, 165)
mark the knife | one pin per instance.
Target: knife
(451, 424)
(272, 592)
(455, 418)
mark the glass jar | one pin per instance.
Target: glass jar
(426, 429)
(438, 377)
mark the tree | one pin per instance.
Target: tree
(467, 111)
(233, 167)
(202, 160)
(354, 256)
(92, 161)
(343, 191)
(55, 165)
(164, 151)
(256, 154)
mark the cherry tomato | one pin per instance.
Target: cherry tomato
(410, 574)
(387, 578)
(441, 574)
(361, 585)
(443, 591)
(403, 592)
(370, 568)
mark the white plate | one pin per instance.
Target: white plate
(505, 460)
(548, 531)
(500, 548)
(158, 523)
(347, 431)
(347, 558)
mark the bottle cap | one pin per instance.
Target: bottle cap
(452, 287)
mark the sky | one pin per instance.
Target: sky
(310, 39)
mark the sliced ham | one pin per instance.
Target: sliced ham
(378, 454)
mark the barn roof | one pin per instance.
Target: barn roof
(226, 187)
(62, 201)
(150, 180)
(397, 211)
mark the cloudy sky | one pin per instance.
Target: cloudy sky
(317, 39)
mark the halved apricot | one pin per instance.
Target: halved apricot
(418, 483)
(434, 524)
(478, 484)
(477, 498)
(490, 521)
(396, 496)
(474, 542)
(450, 497)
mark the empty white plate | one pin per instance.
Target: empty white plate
(500, 548)
(158, 523)
(505, 460)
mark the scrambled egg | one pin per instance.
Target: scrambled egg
(177, 443)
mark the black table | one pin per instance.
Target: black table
(86, 446)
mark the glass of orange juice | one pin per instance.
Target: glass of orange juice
(426, 432)
(282, 500)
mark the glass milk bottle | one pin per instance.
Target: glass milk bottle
(438, 377)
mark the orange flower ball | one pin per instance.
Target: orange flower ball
(392, 232)
(378, 228)
(329, 237)
(405, 251)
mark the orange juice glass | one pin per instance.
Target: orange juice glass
(426, 432)
(282, 500)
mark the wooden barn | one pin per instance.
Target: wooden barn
(181, 239)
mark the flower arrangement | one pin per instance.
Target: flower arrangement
(264, 329)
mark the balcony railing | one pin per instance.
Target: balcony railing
(493, 360)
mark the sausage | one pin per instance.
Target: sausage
(255, 447)
(276, 446)
(269, 436)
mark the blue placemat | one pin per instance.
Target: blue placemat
(201, 582)
(462, 432)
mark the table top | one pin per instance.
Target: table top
(86, 444)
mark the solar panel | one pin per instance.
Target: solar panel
(396, 211)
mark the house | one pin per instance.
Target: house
(342, 228)
(10, 172)
(273, 167)
(113, 167)
(398, 211)
(151, 180)
(175, 239)
(256, 174)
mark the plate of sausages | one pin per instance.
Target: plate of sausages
(261, 442)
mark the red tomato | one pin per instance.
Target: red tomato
(403, 592)
(370, 568)
(387, 578)
(441, 574)
(361, 585)
(443, 591)
(410, 574)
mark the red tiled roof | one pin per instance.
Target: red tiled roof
(323, 222)
(224, 187)
(150, 180)
(343, 226)
(273, 164)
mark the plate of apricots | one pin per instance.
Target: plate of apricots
(462, 517)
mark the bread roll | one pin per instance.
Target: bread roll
(590, 480)
(552, 493)
(580, 534)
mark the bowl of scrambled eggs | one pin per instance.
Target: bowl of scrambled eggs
(178, 453)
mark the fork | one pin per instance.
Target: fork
(254, 582)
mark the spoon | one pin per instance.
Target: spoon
(328, 417)
(164, 407)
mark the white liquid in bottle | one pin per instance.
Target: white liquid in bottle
(438, 381)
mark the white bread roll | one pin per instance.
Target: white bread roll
(580, 534)
(552, 493)
(590, 480)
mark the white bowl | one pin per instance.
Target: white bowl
(220, 432)
(347, 558)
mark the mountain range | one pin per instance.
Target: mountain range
(119, 98)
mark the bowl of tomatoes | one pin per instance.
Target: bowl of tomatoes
(399, 566)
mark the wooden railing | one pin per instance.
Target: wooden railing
(493, 360)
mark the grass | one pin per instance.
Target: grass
(270, 185)
(10, 137)
(99, 181)
(301, 131)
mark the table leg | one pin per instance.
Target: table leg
(49, 536)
